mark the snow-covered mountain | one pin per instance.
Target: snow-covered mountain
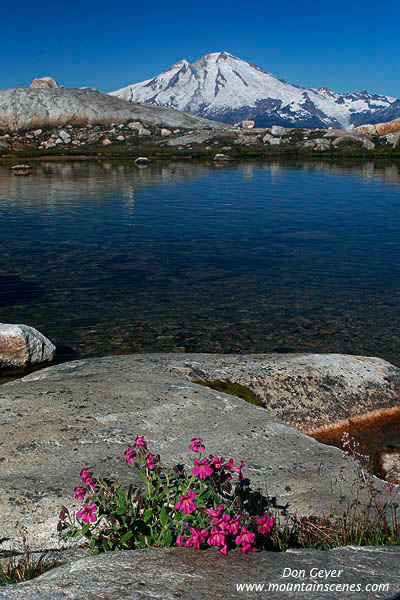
(222, 87)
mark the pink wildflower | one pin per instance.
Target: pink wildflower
(224, 549)
(180, 540)
(150, 462)
(245, 537)
(217, 462)
(186, 503)
(217, 537)
(247, 548)
(80, 492)
(130, 455)
(197, 445)
(266, 524)
(198, 536)
(235, 525)
(87, 476)
(224, 522)
(140, 442)
(202, 468)
(230, 466)
(213, 512)
(88, 513)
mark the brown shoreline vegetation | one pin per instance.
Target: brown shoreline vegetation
(377, 432)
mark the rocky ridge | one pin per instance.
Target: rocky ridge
(38, 107)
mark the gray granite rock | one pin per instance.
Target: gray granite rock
(21, 345)
(47, 107)
(86, 413)
(169, 573)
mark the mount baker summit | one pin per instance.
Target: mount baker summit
(222, 87)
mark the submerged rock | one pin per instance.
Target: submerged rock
(21, 345)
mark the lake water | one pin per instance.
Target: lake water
(108, 258)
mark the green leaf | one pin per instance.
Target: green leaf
(167, 538)
(127, 536)
(147, 515)
(85, 529)
(163, 516)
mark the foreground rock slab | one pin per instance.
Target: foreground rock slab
(86, 413)
(21, 345)
(354, 573)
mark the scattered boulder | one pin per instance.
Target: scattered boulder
(267, 138)
(44, 82)
(142, 160)
(64, 135)
(106, 142)
(322, 144)
(222, 157)
(143, 131)
(275, 141)
(345, 138)
(21, 345)
(279, 131)
(21, 167)
(368, 145)
(165, 132)
(248, 124)
(366, 129)
(22, 170)
(392, 138)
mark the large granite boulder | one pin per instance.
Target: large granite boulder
(86, 413)
(48, 107)
(303, 390)
(154, 573)
(21, 345)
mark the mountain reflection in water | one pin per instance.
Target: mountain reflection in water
(106, 258)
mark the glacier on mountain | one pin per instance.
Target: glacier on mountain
(222, 87)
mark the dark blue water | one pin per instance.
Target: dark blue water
(108, 258)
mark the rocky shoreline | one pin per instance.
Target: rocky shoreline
(135, 138)
(85, 413)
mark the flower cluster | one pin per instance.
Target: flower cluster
(200, 508)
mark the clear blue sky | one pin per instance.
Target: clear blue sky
(344, 45)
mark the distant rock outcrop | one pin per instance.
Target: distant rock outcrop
(45, 82)
(379, 128)
(22, 109)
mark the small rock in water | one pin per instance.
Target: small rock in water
(21, 345)
(142, 160)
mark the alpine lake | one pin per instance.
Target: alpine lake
(192, 256)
